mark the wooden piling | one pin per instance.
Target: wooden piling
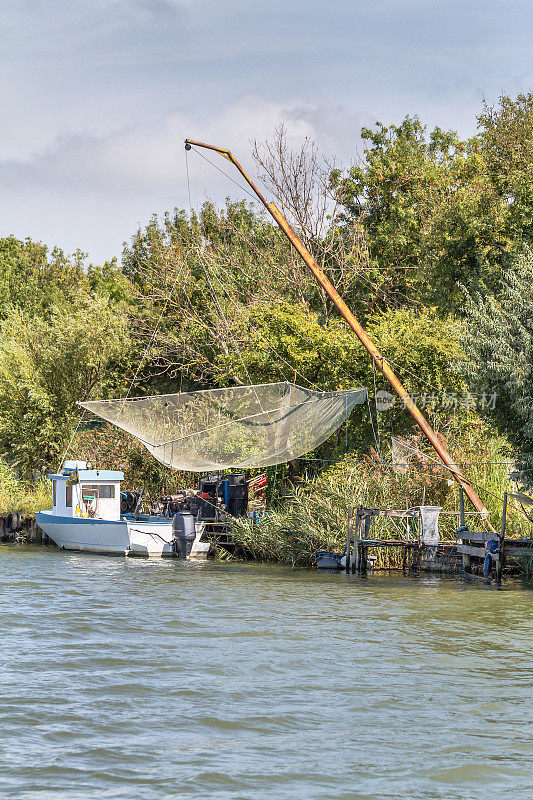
(363, 558)
(357, 536)
(357, 539)
(467, 561)
(349, 540)
(499, 561)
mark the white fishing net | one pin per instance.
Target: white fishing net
(400, 455)
(430, 524)
(244, 426)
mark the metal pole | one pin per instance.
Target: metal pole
(361, 334)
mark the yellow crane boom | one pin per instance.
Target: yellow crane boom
(380, 362)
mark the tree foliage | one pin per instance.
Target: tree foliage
(441, 213)
(33, 279)
(499, 341)
(507, 146)
(46, 366)
(425, 236)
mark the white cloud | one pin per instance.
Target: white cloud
(98, 95)
(138, 170)
(146, 157)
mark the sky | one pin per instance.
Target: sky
(98, 95)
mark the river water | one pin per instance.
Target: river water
(135, 679)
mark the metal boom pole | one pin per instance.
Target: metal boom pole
(380, 362)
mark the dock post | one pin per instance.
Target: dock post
(357, 540)
(364, 558)
(355, 560)
(499, 562)
(349, 540)
(367, 517)
(467, 563)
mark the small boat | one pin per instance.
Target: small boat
(324, 559)
(86, 515)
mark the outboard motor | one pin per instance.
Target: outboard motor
(183, 533)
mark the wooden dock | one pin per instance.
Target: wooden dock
(422, 549)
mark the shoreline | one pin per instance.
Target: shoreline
(24, 530)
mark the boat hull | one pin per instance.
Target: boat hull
(115, 537)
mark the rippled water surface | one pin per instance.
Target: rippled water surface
(154, 679)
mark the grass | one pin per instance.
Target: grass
(315, 516)
(526, 567)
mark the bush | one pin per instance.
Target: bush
(18, 496)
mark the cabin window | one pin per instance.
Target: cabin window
(68, 501)
(54, 492)
(89, 499)
(104, 492)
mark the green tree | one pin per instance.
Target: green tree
(433, 212)
(403, 177)
(248, 251)
(33, 279)
(507, 146)
(46, 365)
(110, 282)
(424, 348)
(286, 341)
(191, 276)
(499, 341)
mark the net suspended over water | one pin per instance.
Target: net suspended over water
(244, 426)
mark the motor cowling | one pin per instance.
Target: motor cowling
(183, 533)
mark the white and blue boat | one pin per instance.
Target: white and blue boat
(86, 515)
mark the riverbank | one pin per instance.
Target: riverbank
(442, 560)
(17, 527)
(314, 516)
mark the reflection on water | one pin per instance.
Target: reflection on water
(157, 679)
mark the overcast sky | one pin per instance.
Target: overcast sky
(98, 95)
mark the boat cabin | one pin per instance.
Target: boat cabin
(80, 491)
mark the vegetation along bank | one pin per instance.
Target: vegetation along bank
(426, 236)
